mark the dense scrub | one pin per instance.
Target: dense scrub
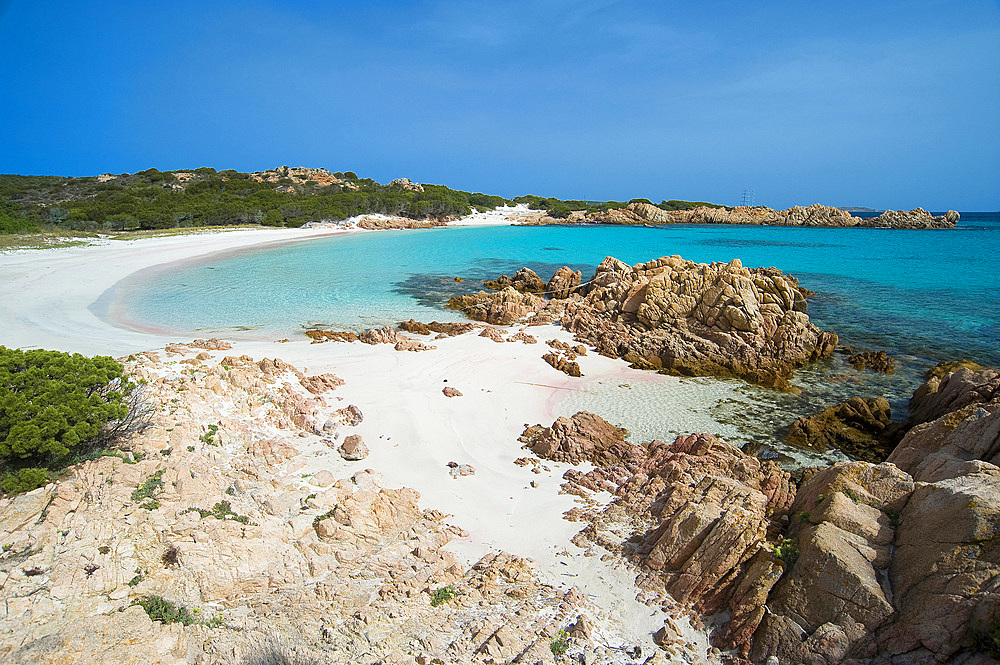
(154, 199)
(55, 408)
(562, 209)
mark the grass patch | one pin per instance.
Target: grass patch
(208, 438)
(145, 492)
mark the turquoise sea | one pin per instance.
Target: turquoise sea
(922, 296)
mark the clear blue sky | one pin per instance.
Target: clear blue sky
(884, 104)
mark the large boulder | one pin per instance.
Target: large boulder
(524, 280)
(951, 386)
(699, 319)
(563, 283)
(857, 427)
(501, 308)
(945, 573)
(830, 602)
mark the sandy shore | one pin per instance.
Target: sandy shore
(411, 427)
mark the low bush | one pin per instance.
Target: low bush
(59, 408)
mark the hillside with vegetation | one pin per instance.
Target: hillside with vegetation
(285, 196)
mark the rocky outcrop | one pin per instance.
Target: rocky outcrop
(524, 280)
(830, 602)
(563, 283)
(272, 564)
(645, 214)
(918, 218)
(499, 309)
(858, 427)
(876, 361)
(353, 448)
(897, 562)
(382, 223)
(449, 329)
(586, 437)
(563, 362)
(699, 319)
(951, 387)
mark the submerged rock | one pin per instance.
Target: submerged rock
(858, 427)
(876, 361)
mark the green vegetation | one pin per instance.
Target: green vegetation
(149, 487)
(562, 209)
(443, 595)
(155, 199)
(787, 550)
(208, 438)
(223, 510)
(327, 515)
(57, 409)
(560, 645)
(166, 612)
(152, 200)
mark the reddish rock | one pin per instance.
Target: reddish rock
(321, 383)
(353, 448)
(500, 309)
(451, 392)
(563, 363)
(563, 283)
(858, 427)
(699, 319)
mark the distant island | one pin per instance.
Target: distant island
(295, 196)
(858, 209)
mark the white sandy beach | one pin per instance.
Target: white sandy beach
(412, 429)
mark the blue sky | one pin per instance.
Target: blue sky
(884, 104)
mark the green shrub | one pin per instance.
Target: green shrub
(24, 480)
(787, 550)
(58, 408)
(443, 595)
(164, 611)
(149, 487)
(560, 645)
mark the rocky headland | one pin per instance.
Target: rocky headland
(677, 316)
(863, 563)
(643, 214)
(204, 543)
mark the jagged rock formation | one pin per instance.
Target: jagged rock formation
(699, 319)
(645, 214)
(304, 568)
(499, 309)
(524, 280)
(858, 427)
(673, 315)
(563, 283)
(876, 361)
(897, 562)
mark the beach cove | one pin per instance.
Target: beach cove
(53, 299)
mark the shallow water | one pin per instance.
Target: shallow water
(922, 296)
